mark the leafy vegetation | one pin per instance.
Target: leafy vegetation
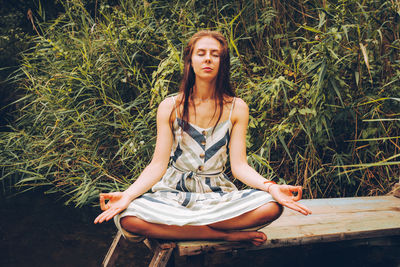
(321, 79)
(16, 30)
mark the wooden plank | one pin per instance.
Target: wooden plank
(161, 257)
(152, 243)
(332, 220)
(113, 251)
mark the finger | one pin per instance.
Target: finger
(299, 193)
(105, 215)
(107, 195)
(109, 214)
(298, 207)
(97, 219)
(291, 206)
(112, 213)
(104, 195)
(295, 189)
(304, 208)
(100, 217)
(110, 195)
(102, 203)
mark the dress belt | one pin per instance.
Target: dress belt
(197, 173)
(196, 176)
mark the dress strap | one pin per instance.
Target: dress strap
(176, 110)
(179, 134)
(233, 103)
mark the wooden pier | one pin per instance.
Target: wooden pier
(335, 219)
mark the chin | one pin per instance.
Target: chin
(209, 77)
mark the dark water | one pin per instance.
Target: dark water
(36, 230)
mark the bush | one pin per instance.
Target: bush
(321, 82)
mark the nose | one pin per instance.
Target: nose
(207, 57)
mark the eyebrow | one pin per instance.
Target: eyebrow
(204, 49)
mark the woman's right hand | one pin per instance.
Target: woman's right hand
(117, 202)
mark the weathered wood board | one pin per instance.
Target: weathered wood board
(334, 219)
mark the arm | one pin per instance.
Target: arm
(246, 174)
(119, 201)
(159, 163)
(239, 166)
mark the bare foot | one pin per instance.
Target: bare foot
(257, 238)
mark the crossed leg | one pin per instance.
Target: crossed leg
(225, 230)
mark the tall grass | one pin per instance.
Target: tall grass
(321, 79)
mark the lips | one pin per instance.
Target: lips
(207, 69)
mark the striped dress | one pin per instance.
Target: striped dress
(195, 190)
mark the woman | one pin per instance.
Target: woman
(196, 130)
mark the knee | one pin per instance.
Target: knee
(272, 211)
(133, 224)
(277, 210)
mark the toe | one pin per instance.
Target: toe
(261, 235)
(257, 243)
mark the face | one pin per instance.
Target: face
(206, 58)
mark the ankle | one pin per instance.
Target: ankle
(231, 235)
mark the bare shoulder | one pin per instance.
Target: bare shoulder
(240, 105)
(165, 109)
(167, 104)
(240, 110)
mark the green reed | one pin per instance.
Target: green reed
(321, 79)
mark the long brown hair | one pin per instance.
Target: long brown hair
(223, 85)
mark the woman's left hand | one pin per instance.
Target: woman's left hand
(284, 195)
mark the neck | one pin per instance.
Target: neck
(203, 90)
